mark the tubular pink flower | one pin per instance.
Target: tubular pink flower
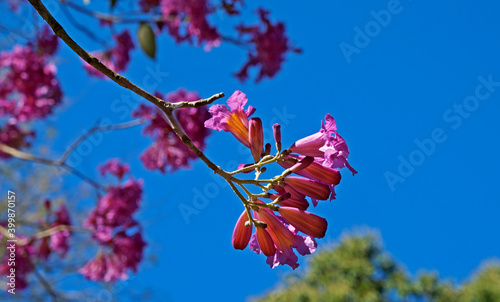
(310, 145)
(265, 241)
(277, 135)
(283, 239)
(302, 164)
(241, 232)
(292, 202)
(327, 146)
(235, 120)
(296, 203)
(305, 222)
(314, 171)
(309, 187)
(288, 189)
(256, 138)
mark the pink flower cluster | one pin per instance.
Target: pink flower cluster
(270, 46)
(316, 158)
(58, 241)
(167, 150)
(116, 58)
(112, 223)
(29, 88)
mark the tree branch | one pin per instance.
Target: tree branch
(61, 162)
(166, 107)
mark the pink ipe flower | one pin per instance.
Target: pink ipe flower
(29, 88)
(233, 120)
(280, 237)
(271, 45)
(242, 232)
(123, 252)
(326, 145)
(186, 19)
(114, 167)
(167, 150)
(111, 223)
(115, 209)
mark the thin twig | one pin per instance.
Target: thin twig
(82, 28)
(94, 129)
(198, 103)
(57, 229)
(40, 278)
(25, 156)
(61, 162)
(112, 18)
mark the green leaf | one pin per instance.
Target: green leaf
(147, 40)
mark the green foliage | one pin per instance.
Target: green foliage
(359, 270)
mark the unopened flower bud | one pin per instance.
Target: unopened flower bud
(302, 164)
(277, 136)
(282, 198)
(256, 138)
(267, 149)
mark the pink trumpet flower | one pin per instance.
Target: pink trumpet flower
(309, 187)
(241, 233)
(305, 222)
(234, 120)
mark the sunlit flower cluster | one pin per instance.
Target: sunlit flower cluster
(282, 225)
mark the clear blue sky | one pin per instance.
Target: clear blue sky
(399, 87)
